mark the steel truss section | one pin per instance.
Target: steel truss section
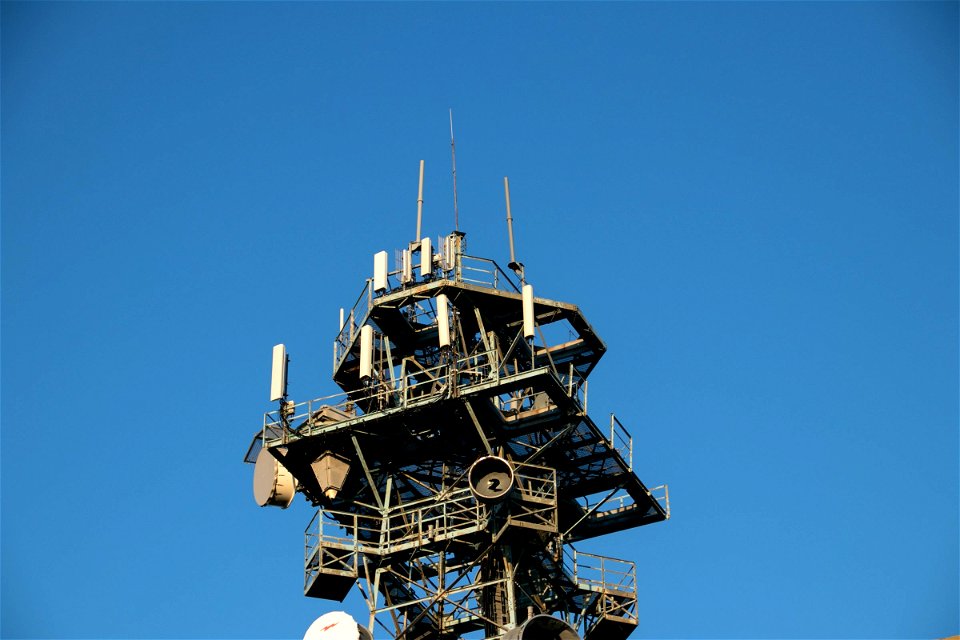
(420, 405)
(425, 578)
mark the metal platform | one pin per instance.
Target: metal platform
(422, 557)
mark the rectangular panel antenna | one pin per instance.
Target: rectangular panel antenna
(380, 271)
(443, 320)
(278, 377)
(426, 258)
(406, 266)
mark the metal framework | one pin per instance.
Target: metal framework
(434, 556)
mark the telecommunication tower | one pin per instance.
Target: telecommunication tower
(458, 466)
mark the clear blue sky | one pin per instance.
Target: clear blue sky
(755, 204)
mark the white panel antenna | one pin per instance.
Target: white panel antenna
(380, 271)
(278, 377)
(443, 320)
(528, 317)
(426, 258)
(406, 266)
(366, 352)
(448, 261)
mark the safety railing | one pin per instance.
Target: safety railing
(412, 383)
(279, 423)
(613, 583)
(600, 573)
(609, 504)
(621, 441)
(536, 483)
(576, 385)
(486, 273)
(341, 529)
(536, 493)
(434, 518)
(424, 521)
(327, 553)
(352, 321)
(662, 495)
(402, 527)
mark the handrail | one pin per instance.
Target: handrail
(449, 514)
(621, 441)
(496, 276)
(355, 319)
(600, 573)
(375, 533)
(612, 502)
(662, 495)
(436, 381)
(535, 482)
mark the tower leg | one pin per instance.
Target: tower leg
(498, 597)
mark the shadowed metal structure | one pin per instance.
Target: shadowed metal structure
(459, 463)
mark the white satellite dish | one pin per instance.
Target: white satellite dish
(336, 625)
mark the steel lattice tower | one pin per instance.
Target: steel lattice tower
(459, 464)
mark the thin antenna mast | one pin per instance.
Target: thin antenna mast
(516, 266)
(453, 158)
(420, 202)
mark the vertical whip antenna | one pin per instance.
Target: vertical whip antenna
(453, 159)
(420, 202)
(506, 191)
(513, 264)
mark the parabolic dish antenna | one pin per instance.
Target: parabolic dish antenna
(273, 485)
(336, 625)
